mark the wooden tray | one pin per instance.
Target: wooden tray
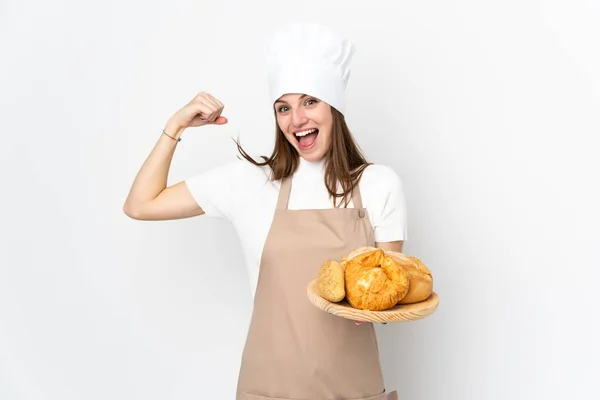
(398, 313)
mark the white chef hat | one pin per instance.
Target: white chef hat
(309, 58)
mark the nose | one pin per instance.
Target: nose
(299, 118)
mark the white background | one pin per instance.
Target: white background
(489, 111)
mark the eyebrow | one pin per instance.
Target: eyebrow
(283, 101)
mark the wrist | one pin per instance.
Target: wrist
(175, 131)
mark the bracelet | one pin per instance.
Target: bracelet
(177, 140)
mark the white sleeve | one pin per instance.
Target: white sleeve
(389, 219)
(217, 190)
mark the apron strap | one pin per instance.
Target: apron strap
(356, 197)
(284, 193)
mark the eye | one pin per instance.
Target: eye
(282, 109)
(311, 102)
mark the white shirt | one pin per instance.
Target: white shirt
(243, 194)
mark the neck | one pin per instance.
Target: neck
(311, 165)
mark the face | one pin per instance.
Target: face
(306, 123)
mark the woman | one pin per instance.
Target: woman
(337, 202)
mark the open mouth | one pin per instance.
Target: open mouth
(307, 138)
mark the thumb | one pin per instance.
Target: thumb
(221, 120)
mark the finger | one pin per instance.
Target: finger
(217, 101)
(198, 121)
(218, 109)
(200, 96)
(220, 120)
(205, 109)
(200, 114)
(212, 98)
(214, 113)
(210, 101)
(213, 105)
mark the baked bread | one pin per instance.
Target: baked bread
(397, 276)
(421, 280)
(357, 252)
(373, 280)
(331, 281)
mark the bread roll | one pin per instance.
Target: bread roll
(421, 280)
(331, 282)
(357, 252)
(373, 281)
(397, 275)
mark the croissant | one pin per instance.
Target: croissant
(373, 280)
(421, 280)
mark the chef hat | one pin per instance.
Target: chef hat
(310, 59)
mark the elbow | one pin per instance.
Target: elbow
(132, 211)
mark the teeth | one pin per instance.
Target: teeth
(304, 133)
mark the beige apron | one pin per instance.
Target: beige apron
(293, 349)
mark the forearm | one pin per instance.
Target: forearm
(152, 177)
